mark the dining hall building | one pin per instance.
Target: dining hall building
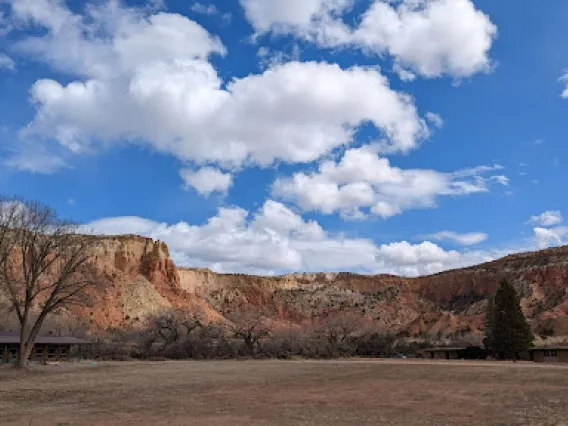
(46, 347)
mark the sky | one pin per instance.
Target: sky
(273, 136)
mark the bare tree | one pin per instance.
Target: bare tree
(170, 329)
(339, 330)
(250, 325)
(43, 266)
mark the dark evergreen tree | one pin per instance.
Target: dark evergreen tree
(488, 341)
(510, 334)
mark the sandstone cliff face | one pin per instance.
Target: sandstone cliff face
(540, 278)
(137, 278)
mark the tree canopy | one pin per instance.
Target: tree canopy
(507, 334)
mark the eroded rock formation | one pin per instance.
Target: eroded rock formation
(137, 278)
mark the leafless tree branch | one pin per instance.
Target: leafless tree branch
(43, 265)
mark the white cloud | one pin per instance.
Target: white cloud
(270, 58)
(204, 9)
(207, 180)
(111, 42)
(548, 218)
(7, 63)
(39, 162)
(211, 10)
(282, 16)
(467, 239)
(548, 237)
(501, 179)
(277, 240)
(428, 37)
(5, 25)
(435, 119)
(547, 232)
(564, 80)
(431, 37)
(403, 74)
(146, 78)
(363, 180)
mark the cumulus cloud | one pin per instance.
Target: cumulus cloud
(282, 16)
(428, 37)
(467, 239)
(548, 218)
(7, 63)
(145, 77)
(548, 237)
(363, 182)
(207, 180)
(277, 240)
(547, 230)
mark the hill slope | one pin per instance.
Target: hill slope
(138, 279)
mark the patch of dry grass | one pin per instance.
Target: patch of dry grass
(286, 393)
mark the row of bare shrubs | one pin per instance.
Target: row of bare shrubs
(249, 334)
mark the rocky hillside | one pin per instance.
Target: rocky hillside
(137, 278)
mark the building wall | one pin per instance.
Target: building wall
(9, 353)
(561, 356)
(441, 354)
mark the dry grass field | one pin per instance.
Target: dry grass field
(250, 393)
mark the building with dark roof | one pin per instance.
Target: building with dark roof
(455, 352)
(550, 354)
(46, 347)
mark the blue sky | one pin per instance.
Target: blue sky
(269, 136)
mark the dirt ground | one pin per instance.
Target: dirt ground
(234, 393)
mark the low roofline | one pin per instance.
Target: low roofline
(10, 338)
(548, 348)
(451, 349)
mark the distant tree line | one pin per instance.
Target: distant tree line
(249, 333)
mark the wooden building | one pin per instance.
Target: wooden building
(46, 348)
(443, 353)
(552, 354)
(455, 352)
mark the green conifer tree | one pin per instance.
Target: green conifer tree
(488, 341)
(511, 334)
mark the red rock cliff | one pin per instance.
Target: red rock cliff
(138, 278)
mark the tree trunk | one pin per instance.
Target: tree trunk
(22, 358)
(25, 352)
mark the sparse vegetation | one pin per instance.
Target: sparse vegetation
(248, 334)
